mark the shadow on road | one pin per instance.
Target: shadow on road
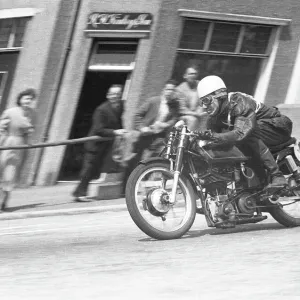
(238, 229)
(15, 208)
(215, 231)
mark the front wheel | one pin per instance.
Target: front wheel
(147, 193)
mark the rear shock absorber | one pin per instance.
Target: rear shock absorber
(293, 168)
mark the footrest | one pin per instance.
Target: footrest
(273, 189)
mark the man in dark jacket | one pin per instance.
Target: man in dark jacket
(237, 118)
(153, 121)
(159, 113)
(106, 122)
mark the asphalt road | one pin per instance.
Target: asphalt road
(105, 256)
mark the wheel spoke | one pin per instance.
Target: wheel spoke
(151, 194)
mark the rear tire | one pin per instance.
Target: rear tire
(283, 218)
(136, 214)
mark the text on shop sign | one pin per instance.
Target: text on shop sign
(119, 21)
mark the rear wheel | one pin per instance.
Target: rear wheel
(287, 211)
(147, 193)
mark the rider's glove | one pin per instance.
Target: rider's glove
(205, 135)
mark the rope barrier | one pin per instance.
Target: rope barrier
(59, 143)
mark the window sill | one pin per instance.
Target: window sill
(233, 17)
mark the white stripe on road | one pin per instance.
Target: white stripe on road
(37, 225)
(51, 229)
(58, 228)
(16, 227)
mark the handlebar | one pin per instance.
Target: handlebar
(204, 135)
(199, 134)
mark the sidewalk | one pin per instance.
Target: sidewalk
(55, 200)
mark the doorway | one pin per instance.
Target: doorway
(93, 94)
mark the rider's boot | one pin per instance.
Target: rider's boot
(277, 178)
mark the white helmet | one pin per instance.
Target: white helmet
(209, 84)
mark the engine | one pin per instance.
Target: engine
(222, 183)
(224, 209)
(246, 204)
(220, 172)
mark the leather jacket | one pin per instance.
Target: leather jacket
(238, 117)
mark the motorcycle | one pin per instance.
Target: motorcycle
(163, 194)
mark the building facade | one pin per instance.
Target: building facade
(71, 51)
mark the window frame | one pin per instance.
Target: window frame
(3, 83)
(109, 67)
(12, 36)
(195, 14)
(268, 59)
(239, 42)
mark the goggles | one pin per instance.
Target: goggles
(207, 100)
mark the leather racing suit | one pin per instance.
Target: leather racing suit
(251, 126)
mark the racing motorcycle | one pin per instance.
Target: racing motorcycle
(163, 194)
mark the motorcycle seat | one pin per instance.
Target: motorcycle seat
(280, 147)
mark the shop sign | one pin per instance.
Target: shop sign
(119, 21)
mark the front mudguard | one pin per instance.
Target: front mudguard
(184, 172)
(154, 159)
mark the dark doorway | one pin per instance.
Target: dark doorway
(93, 94)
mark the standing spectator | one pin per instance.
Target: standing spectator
(16, 126)
(106, 122)
(153, 121)
(192, 113)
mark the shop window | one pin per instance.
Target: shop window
(225, 37)
(12, 32)
(256, 39)
(3, 78)
(239, 73)
(20, 30)
(108, 55)
(6, 26)
(194, 35)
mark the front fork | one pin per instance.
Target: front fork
(178, 162)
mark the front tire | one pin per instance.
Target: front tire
(154, 224)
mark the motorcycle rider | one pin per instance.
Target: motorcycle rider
(238, 119)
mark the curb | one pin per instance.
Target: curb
(62, 212)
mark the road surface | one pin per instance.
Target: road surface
(105, 256)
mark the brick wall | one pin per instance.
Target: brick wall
(36, 46)
(74, 75)
(163, 49)
(50, 81)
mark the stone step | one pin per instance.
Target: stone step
(109, 190)
(110, 177)
(108, 186)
